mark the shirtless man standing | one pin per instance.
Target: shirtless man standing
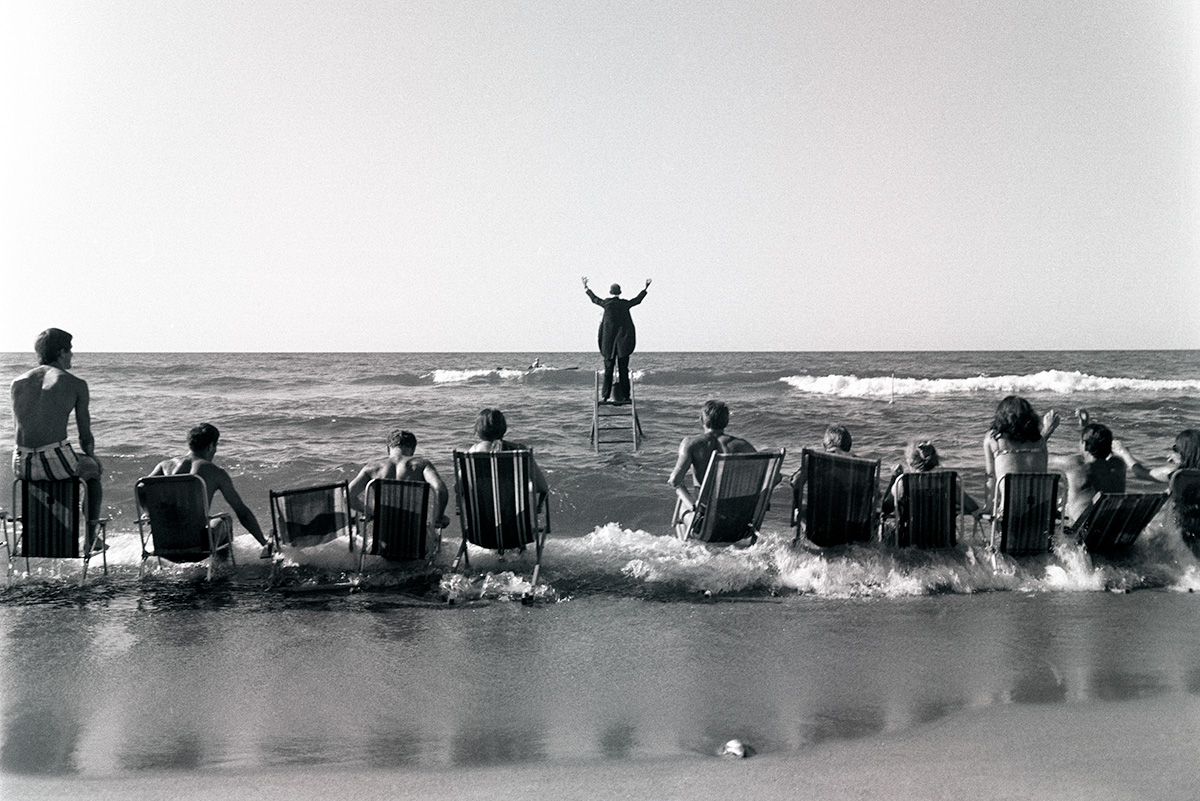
(695, 451)
(202, 444)
(401, 465)
(1094, 469)
(42, 401)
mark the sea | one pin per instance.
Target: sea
(633, 645)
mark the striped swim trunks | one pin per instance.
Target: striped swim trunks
(49, 462)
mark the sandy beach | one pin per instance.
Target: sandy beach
(1113, 751)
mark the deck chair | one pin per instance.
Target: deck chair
(835, 497)
(47, 522)
(1114, 521)
(308, 516)
(1028, 504)
(734, 496)
(929, 513)
(175, 510)
(398, 527)
(497, 505)
(1184, 493)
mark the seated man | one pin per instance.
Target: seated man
(202, 442)
(400, 464)
(1094, 469)
(43, 400)
(695, 451)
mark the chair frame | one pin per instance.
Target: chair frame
(1002, 522)
(801, 500)
(213, 546)
(468, 507)
(277, 516)
(1115, 520)
(707, 506)
(370, 523)
(19, 536)
(911, 533)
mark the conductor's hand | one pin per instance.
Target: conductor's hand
(585, 282)
(648, 280)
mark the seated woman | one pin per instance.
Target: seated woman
(490, 428)
(919, 457)
(1016, 442)
(1185, 496)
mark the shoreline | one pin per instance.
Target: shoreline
(1140, 749)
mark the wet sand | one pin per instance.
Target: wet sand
(1111, 750)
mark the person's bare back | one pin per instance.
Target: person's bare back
(700, 449)
(43, 400)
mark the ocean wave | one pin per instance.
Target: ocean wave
(1058, 381)
(569, 374)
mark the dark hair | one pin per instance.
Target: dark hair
(1187, 445)
(1096, 439)
(490, 425)
(837, 438)
(399, 438)
(922, 456)
(715, 415)
(1016, 420)
(615, 289)
(50, 344)
(202, 436)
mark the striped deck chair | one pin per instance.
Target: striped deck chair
(734, 496)
(1114, 521)
(1184, 493)
(497, 505)
(175, 510)
(1028, 504)
(47, 522)
(399, 523)
(308, 516)
(835, 498)
(929, 512)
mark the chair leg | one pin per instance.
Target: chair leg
(462, 557)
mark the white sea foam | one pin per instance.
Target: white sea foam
(1061, 381)
(459, 376)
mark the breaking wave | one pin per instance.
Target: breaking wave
(1060, 381)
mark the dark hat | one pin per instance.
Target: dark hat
(615, 289)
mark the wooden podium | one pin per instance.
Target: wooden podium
(610, 417)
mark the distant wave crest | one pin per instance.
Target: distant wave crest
(1060, 381)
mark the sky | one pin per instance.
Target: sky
(438, 176)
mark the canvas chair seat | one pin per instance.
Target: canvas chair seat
(733, 498)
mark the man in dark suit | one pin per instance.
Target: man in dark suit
(617, 338)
